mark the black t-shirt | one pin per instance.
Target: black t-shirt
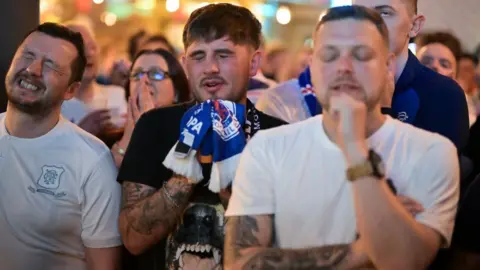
(155, 134)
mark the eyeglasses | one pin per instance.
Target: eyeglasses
(153, 74)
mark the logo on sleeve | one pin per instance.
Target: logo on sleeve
(49, 181)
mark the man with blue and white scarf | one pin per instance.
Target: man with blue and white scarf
(181, 160)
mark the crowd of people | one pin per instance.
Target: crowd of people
(356, 153)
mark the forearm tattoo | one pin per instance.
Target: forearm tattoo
(148, 210)
(242, 232)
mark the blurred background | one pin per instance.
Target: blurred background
(288, 23)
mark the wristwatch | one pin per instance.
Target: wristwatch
(372, 166)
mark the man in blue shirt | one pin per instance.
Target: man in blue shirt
(422, 97)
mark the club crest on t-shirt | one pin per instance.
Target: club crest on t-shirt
(49, 181)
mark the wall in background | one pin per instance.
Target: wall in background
(461, 17)
(18, 17)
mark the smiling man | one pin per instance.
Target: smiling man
(59, 201)
(167, 220)
(315, 194)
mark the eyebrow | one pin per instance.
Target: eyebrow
(381, 7)
(225, 51)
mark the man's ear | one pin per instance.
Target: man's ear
(417, 25)
(71, 90)
(391, 64)
(255, 62)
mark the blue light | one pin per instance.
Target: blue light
(338, 3)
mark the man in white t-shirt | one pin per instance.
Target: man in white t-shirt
(59, 199)
(312, 195)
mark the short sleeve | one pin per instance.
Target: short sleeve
(435, 184)
(252, 189)
(152, 139)
(101, 205)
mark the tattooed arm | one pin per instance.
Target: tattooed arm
(148, 215)
(248, 244)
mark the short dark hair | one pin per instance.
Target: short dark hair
(470, 57)
(356, 12)
(133, 43)
(215, 21)
(62, 32)
(162, 39)
(445, 38)
(175, 70)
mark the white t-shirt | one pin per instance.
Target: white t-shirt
(58, 194)
(284, 101)
(105, 97)
(297, 174)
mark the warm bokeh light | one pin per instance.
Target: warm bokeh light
(98, 2)
(172, 5)
(110, 19)
(283, 15)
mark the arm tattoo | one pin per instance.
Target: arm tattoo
(147, 211)
(244, 232)
(134, 192)
(322, 258)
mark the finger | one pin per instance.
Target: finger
(134, 109)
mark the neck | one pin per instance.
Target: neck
(374, 122)
(401, 62)
(86, 91)
(22, 125)
(243, 101)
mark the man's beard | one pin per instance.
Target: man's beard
(38, 108)
(370, 102)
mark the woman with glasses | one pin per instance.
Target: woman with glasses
(156, 80)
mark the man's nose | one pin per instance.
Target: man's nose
(35, 68)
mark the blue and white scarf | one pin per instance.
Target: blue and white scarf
(305, 82)
(214, 127)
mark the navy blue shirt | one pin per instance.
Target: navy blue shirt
(432, 102)
(423, 98)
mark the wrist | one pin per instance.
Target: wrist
(355, 153)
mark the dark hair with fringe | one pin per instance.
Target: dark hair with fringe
(175, 70)
(445, 38)
(359, 13)
(215, 21)
(75, 38)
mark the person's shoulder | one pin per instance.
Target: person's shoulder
(429, 81)
(80, 140)
(268, 121)
(291, 131)
(418, 139)
(285, 88)
(165, 116)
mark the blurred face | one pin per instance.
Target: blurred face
(438, 58)
(398, 19)
(151, 70)
(302, 60)
(466, 69)
(39, 77)
(220, 69)
(349, 57)
(91, 52)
